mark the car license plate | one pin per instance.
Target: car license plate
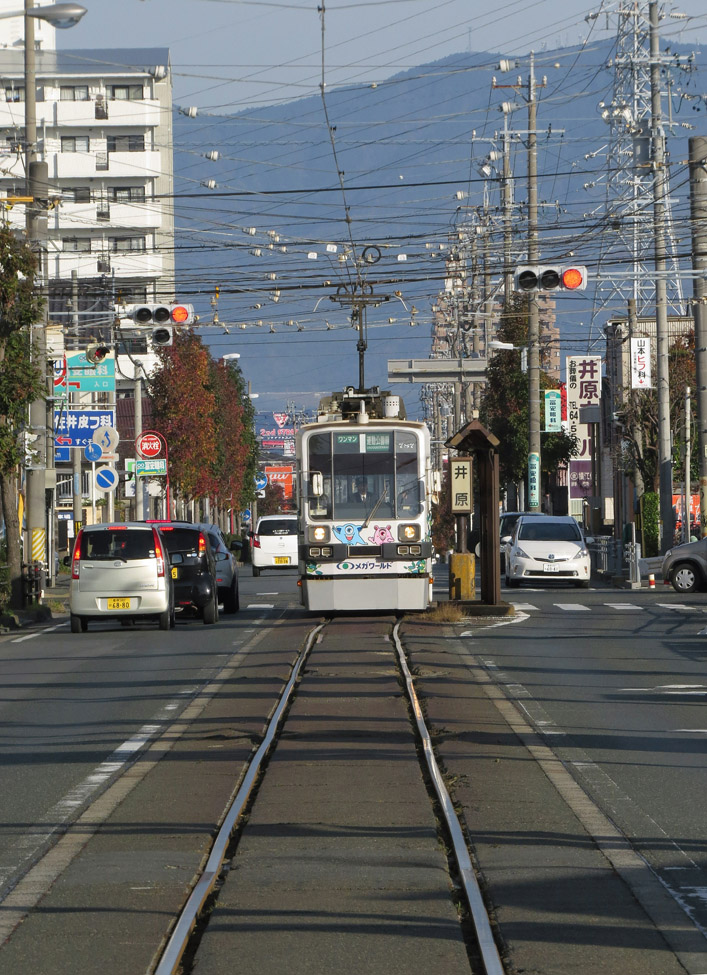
(174, 572)
(118, 603)
(282, 560)
(551, 567)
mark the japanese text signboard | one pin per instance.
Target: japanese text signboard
(641, 363)
(75, 428)
(460, 485)
(583, 389)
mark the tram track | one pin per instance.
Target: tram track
(183, 943)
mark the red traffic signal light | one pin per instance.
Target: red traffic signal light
(95, 354)
(550, 277)
(162, 314)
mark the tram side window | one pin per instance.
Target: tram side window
(406, 476)
(320, 460)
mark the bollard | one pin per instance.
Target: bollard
(651, 581)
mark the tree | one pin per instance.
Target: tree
(20, 384)
(639, 416)
(200, 406)
(505, 405)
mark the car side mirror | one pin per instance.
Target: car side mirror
(236, 545)
(66, 560)
(221, 556)
(589, 540)
(505, 540)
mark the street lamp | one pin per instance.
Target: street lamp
(61, 15)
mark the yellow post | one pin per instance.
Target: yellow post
(462, 576)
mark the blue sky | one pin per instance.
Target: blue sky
(231, 54)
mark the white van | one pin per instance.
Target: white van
(120, 571)
(273, 544)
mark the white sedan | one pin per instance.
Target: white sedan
(547, 548)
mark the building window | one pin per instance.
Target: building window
(73, 93)
(127, 194)
(74, 143)
(77, 194)
(14, 94)
(125, 93)
(119, 245)
(126, 143)
(80, 245)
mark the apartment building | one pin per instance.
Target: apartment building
(104, 128)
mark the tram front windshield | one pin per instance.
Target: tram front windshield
(362, 471)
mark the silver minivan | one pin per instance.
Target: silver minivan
(120, 571)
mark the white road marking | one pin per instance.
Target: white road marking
(523, 606)
(572, 607)
(681, 606)
(623, 606)
(669, 689)
(466, 633)
(21, 639)
(261, 606)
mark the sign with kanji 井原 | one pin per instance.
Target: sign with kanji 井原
(553, 410)
(460, 485)
(641, 363)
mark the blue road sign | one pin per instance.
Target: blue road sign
(75, 428)
(261, 481)
(62, 455)
(247, 515)
(93, 452)
(106, 479)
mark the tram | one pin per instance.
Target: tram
(365, 484)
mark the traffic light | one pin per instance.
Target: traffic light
(550, 277)
(162, 336)
(95, 354)
(177, 314)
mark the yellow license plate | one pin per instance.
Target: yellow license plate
(282, 560)
(119, 604)
(174, 572)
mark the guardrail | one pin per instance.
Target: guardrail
(613, 559)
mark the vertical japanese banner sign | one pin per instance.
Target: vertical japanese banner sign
(553, 410)
(583, 389)
(641, 363)
(534, 480)
(460, 485)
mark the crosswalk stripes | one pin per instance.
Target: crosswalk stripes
(617, 607)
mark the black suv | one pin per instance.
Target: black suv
(226, 567)
(193, 568)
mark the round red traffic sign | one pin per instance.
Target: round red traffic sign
(149, 445)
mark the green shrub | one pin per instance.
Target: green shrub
(650, 519)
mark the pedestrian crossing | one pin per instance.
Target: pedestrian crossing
(619, 607)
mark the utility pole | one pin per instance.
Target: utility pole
(76, 451)
(533, 313)
(698, 214)
(661, 304)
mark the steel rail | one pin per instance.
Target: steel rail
(482, 926)
(172, 955)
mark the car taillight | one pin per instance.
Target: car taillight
(202, 544)
(159, 555)
(76, 559)
(256, 541)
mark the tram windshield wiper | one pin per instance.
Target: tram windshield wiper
(375, 508)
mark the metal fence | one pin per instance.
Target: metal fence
(612, 558)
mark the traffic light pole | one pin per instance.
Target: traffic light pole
(533, 503)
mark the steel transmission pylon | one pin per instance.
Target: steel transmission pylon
(627, 239)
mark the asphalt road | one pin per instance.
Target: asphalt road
(610, 682)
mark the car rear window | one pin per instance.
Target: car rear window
(277, 526)
(532, 531)
(119, 543)
(184, 540)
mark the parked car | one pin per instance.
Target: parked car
(120, 571)
(685, 566)
(193, 567)
(274, 543)
(226, 567)
(508, 522)
(547, 547)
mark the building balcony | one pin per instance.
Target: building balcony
(77, 165)
(143, 215)
(123, 265)
(131, 114)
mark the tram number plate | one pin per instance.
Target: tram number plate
(116, 603)
(282, 560)
(551, 567)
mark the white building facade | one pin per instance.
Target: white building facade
(104, 128)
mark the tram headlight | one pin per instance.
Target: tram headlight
(319, 534)
(408, 533)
